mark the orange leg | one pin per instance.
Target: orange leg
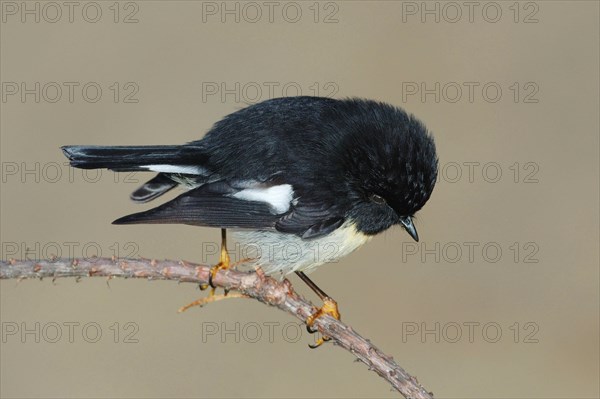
(329, 307)
(224, 264)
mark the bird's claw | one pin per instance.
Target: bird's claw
(330, 308)
(319, 342)
(311, 330)
(224, 264)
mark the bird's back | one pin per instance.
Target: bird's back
(262, 135)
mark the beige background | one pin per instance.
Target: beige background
(383, 290)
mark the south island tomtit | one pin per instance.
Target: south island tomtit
(302, 180)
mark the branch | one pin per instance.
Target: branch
(254, 285)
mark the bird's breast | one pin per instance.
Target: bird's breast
(283, 253)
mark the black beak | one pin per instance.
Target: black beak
(410, 227)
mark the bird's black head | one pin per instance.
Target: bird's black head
(390, 166)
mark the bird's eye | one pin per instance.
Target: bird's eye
(377, 199)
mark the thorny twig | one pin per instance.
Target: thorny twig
(251, 284)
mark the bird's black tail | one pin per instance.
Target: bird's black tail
(127, 159)
(167, 160)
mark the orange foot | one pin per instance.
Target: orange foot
(224, 264)
(330, 308)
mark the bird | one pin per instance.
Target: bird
(302, 181)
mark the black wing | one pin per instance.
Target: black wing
(211, 205)
(310, 221)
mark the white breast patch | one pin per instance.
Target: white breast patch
(278, 197)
